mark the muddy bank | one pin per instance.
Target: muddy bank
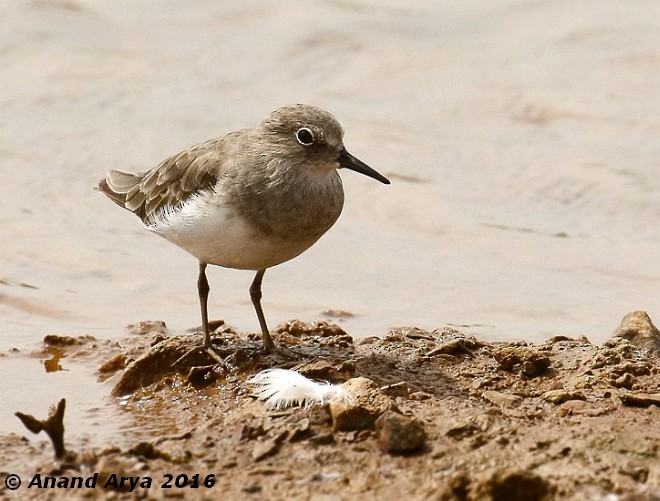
(443, 416)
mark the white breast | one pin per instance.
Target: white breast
(218, 235)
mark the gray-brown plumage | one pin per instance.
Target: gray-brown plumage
(250, 200)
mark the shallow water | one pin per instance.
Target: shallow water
(521, 138)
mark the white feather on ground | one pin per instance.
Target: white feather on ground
(281, 388)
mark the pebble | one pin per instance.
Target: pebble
(558, 397)
(365, 403)
(502, 399)
(639, 400)
(398, 434)
(638, 328)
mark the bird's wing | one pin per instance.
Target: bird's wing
(167, 185)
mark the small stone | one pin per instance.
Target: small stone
(398, 434)
(178, 456)
(288, 339)
(625, 381)
(360, 409)
(321, 370)
(147, 450)
(108, 449)
(502, 399)
(583, 408)
(560, 339)
(268, 447)
(147, 326)
(639, 400)
(299, 430)
(451, 347)
(638, 328)
(420, 395)
(363, 435)
(512, 485)
(530, 363)
(462, 431)
(56, 340)
(318, 416)
(605, 357)
(558, 397)
(338, 314)
(323, 438)
(638, 473)
(257, 427)
(399, 389)
(298, 328)
(202, 376)
(113, 464)
(251, 488)
(633, 368)
(623, 347)
(535, 365)
(157, 338)
(116, 363)
(458, 486)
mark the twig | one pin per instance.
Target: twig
(53, 426)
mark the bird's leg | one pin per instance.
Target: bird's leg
(255, 295)
(203, 289)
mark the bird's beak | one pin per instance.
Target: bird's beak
(348, 161)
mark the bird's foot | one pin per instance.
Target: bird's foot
(270, 348)
(200, 355)
(286, 353)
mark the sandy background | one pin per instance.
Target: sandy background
(522, 139)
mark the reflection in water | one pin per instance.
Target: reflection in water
(53, 364)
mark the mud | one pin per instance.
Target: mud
(565, 419)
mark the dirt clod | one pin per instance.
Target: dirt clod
(147, 327)
(640, 400)
(399, 434)
(638, 328)
(512, 485)
(560, 396)
(57, 340)
(528, 362)
(361, 408)
(113, 365)
(502, 399)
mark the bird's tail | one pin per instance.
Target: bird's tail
(118, 184)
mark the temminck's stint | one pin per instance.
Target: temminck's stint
(250, 200)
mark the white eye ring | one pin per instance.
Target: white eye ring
(305, 136)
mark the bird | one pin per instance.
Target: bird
(250, 200)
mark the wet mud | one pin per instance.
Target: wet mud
(439, 415)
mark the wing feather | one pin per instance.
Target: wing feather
(167, 185)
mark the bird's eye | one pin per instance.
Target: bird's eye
(305, 136)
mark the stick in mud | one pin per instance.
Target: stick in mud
(53, 426)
